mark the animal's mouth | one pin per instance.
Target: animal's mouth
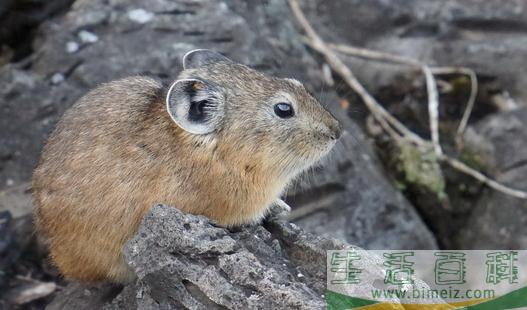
(324, 151)
(329, 148)
(315, 153)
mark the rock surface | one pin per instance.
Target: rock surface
(16, 236)
(18, 20)
(113, 39)
(498, 221)
(487, 36)
(6, 241)
(184, 262)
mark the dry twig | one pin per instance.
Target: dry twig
(390, 124)
(433, 98)
(30, 292)
(471, 100)
(430, 82)
(375, 55)
(433, 109)
(460, 166)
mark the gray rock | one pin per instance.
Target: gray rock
(18, 20)
(499, 221)
(354, 200)
(16, 237)
(88, 37)
(57, 78)
(6, 240)
(17, 200)
(140, 16)
(72, 47)
(86, 297)
(488, 36)
(184, 262)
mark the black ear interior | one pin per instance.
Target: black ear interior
(196, 111)
(198, 104)
(195, 105)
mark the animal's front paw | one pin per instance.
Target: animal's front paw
(279, 209)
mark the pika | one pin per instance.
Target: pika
(222, 141)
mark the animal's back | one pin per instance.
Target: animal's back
(87, 164)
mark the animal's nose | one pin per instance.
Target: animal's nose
(336, 130)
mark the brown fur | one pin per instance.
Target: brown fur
(117, 152)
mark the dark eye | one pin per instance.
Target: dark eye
(283, 110)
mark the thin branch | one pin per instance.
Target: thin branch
(460, 166)
(433, 97)
(433, 101)
(375, 55)
(472, 99)
(433, 109)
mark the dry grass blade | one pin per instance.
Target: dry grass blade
(31, 292)
(471, 100)
(375, 55)
(460, 166)
(433, 109)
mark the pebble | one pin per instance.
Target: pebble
(140, 16)
(57, 78)
(72, 47)
(88, 37)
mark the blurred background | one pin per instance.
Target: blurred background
(370, 192)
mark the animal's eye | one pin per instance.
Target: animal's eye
(283, 110)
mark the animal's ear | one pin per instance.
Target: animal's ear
(196, 106)
(201, 57)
